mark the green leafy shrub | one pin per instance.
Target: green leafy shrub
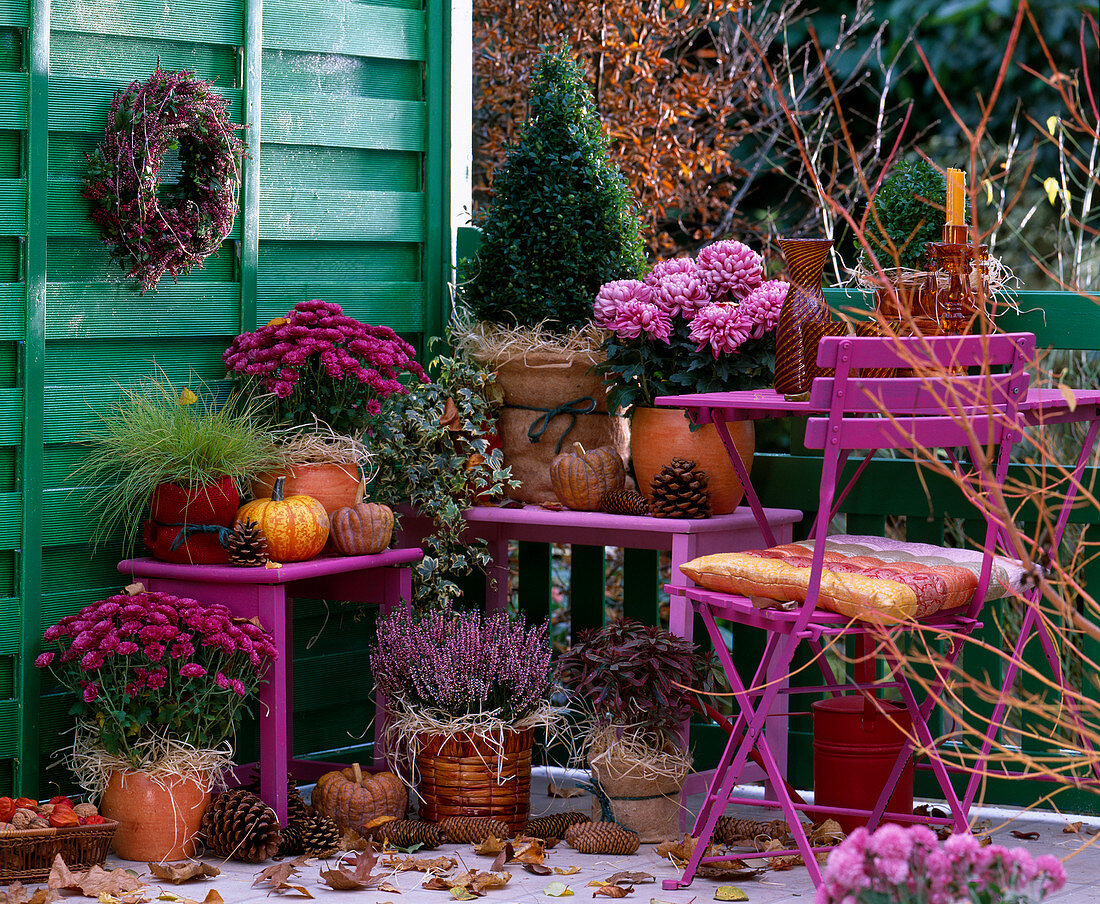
(563, 221)
(432, 449)
(909, 210)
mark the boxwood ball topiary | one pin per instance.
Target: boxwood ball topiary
(910, 208)
(563, 220)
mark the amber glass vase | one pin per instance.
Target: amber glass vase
(804, 317)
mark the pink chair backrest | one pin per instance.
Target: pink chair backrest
(945, 407)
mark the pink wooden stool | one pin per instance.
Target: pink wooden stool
(266, 593)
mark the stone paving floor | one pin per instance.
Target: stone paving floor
(1080, 852)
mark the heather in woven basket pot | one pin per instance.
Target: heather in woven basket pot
(465, 692)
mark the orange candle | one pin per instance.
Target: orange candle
(955, 183)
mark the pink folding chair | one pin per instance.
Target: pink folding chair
(971, 403)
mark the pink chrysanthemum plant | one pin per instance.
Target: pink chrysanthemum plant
(910, 866)
(153, 675)
(318, 364)
(692, 325)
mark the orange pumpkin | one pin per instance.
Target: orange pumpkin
(352, 798)
(581, 479)
(362, 529)
(296, 528)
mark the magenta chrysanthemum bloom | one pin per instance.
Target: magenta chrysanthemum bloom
(44, 660)
(681, 293)
(722, 327)
(192, 670)
(763, 304)
(730, 269)
(612, 295)
(636, 317)
(91, 692)
(664, 269)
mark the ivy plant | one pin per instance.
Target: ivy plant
(433, 449)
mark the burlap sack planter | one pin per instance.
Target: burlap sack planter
(639, 801)
(551, 400)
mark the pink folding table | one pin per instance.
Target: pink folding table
(384, 580)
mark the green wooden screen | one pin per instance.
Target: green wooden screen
(344, 199)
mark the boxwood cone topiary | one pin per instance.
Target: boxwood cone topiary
(563, 220)
(909, 210)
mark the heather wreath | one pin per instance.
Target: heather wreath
(153, 227)
(451, 664)
(157, 665)
(896, 865)
(319, 364)
(702, 325)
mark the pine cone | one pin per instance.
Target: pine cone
(320, 837)
(680, 491)
(296, 809)
(624, 502)
(601, 838)
(729, 829)
(246, 544)
(554, 825)
(239, 826)
(290, 844)
(472, 829)
(407, 832)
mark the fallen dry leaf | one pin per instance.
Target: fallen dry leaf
(389, 887)
(503, 857)
(563, 791)
(1029, 836)
(1072, 828)
(183, 871)
(462, 893)
(436, 883)
(16, 893)
(420, 864)
(490, 847)
(212, 897)
(613, 891)
(538, 869)
(531, 851)
(360, 876)
(277, 876)
(558, 890)
(729, 893)
(567, 870)
(629, 878)
(93, 883)
(353, 841)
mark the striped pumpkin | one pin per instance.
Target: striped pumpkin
(296, 528)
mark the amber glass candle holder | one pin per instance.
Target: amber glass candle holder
(952, 295)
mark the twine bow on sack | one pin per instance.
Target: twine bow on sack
(587, 405)
(188, 529)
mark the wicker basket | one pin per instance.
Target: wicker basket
(26, 856)
(464, 775)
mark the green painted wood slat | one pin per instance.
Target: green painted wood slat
(200, 22)
(13, 99)
(13, 206)
(353, 29)
(81, 104)
(13, 306)
(336, 215)
(15, 13)
(345, 121)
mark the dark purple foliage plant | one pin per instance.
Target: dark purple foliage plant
(630, 674)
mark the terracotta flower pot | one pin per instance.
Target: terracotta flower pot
(333, 485)
(158, 819)
(658, 435)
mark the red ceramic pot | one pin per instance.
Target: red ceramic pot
(158, 818)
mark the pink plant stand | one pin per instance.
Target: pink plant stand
(684, 538)
(266, 593)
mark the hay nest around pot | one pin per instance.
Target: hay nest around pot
(491, 344)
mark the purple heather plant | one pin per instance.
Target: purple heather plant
(456, 663)
(702, 325)
(319, 363)
(153, 229)
(154, 662)
(910, 866)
